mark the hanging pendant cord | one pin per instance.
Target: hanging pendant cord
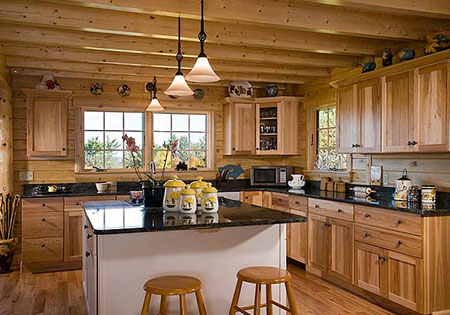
(154, 87)
(179, 54)
(202, 35)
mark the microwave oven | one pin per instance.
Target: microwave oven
(270, 175)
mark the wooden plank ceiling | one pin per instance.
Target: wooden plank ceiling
(256, 40)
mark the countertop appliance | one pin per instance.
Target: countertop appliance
(270, 175)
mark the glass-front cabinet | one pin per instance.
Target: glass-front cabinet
(268, 140)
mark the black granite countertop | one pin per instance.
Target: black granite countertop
(116, 217)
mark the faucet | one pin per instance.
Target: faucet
(152, 167)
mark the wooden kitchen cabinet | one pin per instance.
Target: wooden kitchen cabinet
(398, 112)
(239, 127)
(432, 108)
(47, 123)
(359, 118)
(369, 272)
(267, 199)
(72, 235)
(298, 238)
(252, 197)
(278, 125)
(340, 253)
(318, 242)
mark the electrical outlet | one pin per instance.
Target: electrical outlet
(26, 176)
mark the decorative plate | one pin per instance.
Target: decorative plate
(199, 94)
(96, 89)
(124, 90)
(240, 89)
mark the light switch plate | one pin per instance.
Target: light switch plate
(26, 176)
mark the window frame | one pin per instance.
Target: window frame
(210, 149)
(79, 146)
(312, 127)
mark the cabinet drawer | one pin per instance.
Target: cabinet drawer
(332, 209)
(46, 224)
(280, 201)
(42, 205)
(42, 249)
(298, 203)
(400, 242)
(74, 203)
(393, 220)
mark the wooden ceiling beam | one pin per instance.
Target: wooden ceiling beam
(20, 62)
(163, 47)
(151, 61)
(422, 8)
(285, 14)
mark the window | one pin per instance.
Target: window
(326, 156)
(191, 132)
(103, 144)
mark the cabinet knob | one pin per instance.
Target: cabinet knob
(246, 197)
(42, 245)
(43, 204)
(327, 224)
(234, 149)
(339, 210)
(89, 236)
(87, 254)
(412, 142)
(64, 149)
(78, 203)
(399, 242)
(382, 258)
(297, 203)
(317, 206)
(367, 215)
(85, 226)
(357, 145)
(366, 234)
(43, 220)
(399, 221)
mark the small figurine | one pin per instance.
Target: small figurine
(436, 43)
(96, 89)
(386, 57)
(367, 66)
(181, 166)
(48, 82)
(124, 90)
(406, 54)
(271, 90)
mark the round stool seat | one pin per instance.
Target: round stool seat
(173, 285)
(264, 275)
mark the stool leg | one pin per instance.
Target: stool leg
(163, 305)
(257, 306)
(291, 299)
(235, 300)
(146, 305)
(183, 308)
(269, 299)
(200, 303)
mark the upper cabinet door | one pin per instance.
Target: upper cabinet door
(239, 128)
(47, 123)
(432, 108)
(347, 120)
(269, 129)
(369, 104)
(398, 112)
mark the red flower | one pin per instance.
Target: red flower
(131, 144)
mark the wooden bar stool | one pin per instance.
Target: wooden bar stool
(260, 276)
(173, 285)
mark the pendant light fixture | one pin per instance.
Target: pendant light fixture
(154, 105)
(179, 87)
(202, 71)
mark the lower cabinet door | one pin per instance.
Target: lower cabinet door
(370, 268)
(298, 239)
(253, 197)
(73, 235)
(341, 249)
(318, 239)
(406, 280)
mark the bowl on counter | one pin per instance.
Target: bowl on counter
(101, 187)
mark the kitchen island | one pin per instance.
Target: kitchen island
(124, 246)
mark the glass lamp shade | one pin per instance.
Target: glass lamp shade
(155, 106)
(202, 72)
(179, 87)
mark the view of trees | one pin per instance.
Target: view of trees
(194, 153)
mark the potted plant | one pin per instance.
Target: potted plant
(8, 211)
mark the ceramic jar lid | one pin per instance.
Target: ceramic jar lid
(188, 191)
(209, 189)
(174, 183)
(199, 184)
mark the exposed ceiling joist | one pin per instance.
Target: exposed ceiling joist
(423, 8)
(151, 61)
(112, 42)
(285, 14)
(20, 62)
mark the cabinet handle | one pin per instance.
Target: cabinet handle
(414, 142)
(89, 236)
(367, 215)
(339, 210)
(357, 145)
(399, 221)
(317, 206)
(87, 254)
(383, 258)
(43, 204)
(85, 226)
(399, 242)
(43, 220)
(366, 234)
(327, 224)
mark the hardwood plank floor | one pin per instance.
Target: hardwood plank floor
(61, 293)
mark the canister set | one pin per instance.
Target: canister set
(405, 191)
(199, 196)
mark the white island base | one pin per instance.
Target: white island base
(121, 263)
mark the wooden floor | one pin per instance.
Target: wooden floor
(61, 293)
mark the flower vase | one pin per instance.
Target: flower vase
(7, 254)
(153, 196)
